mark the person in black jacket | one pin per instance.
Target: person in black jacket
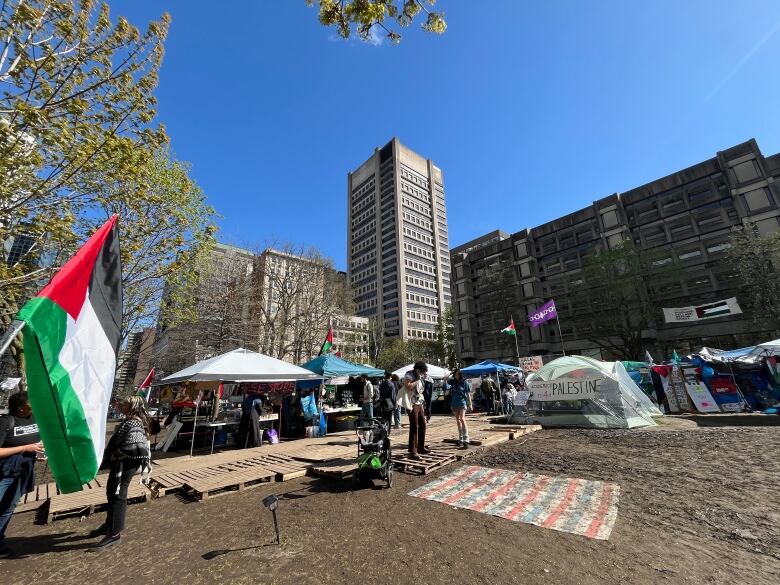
(388, 399)
(428, 394)
(127, 452)
(19, 446)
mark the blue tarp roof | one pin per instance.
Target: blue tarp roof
(486, 367)
(331, 366)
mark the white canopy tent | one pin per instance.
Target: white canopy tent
(241, 365)
(584, 392)
(435, 372)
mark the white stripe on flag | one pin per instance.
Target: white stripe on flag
(89, 359)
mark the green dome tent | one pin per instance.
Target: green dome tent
(583, 392)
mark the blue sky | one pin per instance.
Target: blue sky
(531, 111)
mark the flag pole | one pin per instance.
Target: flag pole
(194, 424)
(517, 348)
(10, 335)
(560, 335)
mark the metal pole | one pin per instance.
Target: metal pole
(563, 349)
(517, 348)
(194, 425)
(276, 527)
(10, 335)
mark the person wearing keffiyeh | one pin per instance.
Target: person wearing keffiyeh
(127, 452)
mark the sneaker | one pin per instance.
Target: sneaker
(99, 531)
(414, 456)
(425, 450)
(106, 542)
(6, 551)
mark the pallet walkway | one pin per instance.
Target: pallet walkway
(36, 498)
(428, 462)
(223, 483)
(337, 469)
(93, 495)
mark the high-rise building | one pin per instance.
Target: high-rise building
(688, 216)
(397, 243)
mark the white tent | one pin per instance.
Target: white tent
(241, 365)
(434, 372)
(584, 392)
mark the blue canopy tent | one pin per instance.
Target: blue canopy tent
(487, 368)
(331, 366)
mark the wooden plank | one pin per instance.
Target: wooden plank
(427, 462)
(86, 500)
(338, 469)
(223, 483)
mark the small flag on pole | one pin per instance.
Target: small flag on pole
(328, 343)
(648, 358)
(71, 338)
(146, 386)
(510, 329)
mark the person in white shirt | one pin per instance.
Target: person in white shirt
(367, 410)
(412, 398)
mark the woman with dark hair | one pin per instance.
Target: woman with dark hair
(460, 402)
(19, 446)
(127, 452)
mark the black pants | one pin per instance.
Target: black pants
(119, 479)
(417, 426)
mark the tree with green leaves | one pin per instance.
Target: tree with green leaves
(756, 260)
(363, 15)
(76, 107)
(623, 288)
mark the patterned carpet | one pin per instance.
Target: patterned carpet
(579, 506)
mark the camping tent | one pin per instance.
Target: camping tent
(241, 365)
(434, 372)
(486, 368)
(584, 392)
(748, 355)
(330, 366)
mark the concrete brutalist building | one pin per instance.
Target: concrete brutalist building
(397, 242)
(691, 213)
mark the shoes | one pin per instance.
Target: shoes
(464, 445)
(414, 456)
(425, 450)
(6, 551)
(106, 542)
(99, 531)
(397, 426)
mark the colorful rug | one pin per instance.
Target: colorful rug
(578, 506)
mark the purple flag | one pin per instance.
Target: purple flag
(544, 313)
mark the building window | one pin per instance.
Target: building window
(746, 171)
(521, 248)
(525, 269)
(757, 200)
(767, 226)
(609, 219)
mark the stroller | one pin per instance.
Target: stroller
(375, 457)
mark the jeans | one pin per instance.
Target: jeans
(417, 427)
(487, 402)
(367, 411)
(10, 492)
(397, 416)
(119, 479)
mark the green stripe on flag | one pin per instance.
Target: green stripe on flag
(58, 410)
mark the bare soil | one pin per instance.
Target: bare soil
(697, 505)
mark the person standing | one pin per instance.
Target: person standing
(488, 390)
(19, 446)
(509, 396)
(397, 414)
(428, 393)
(388, 399)
(413, 400)
(460, 402)
(127, 452)
(367, 398)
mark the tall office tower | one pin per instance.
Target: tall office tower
(397, 243)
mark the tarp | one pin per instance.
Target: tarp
(486, 368)
(331, 366)
(744, 353)
(434, 372)
(241, 365)
(584, 392)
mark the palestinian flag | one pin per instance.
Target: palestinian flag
(145, 388)
(510, 329)
(327, 345)
(71, 338)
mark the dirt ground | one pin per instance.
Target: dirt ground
(697, 505)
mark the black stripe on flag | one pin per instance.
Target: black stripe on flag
(105, 288)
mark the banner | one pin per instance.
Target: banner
(532, 363)
(542, 314)
(568, 389)
(521, 398)
(709, 311)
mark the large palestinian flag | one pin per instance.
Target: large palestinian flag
(71, 338)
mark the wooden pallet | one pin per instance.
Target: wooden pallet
(36, 498)
(85, 501)
(322, 453)
(286, 468)
(427, 463)
(338, 469)
(225, 483)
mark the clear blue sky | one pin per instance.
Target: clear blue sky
(531, 111)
